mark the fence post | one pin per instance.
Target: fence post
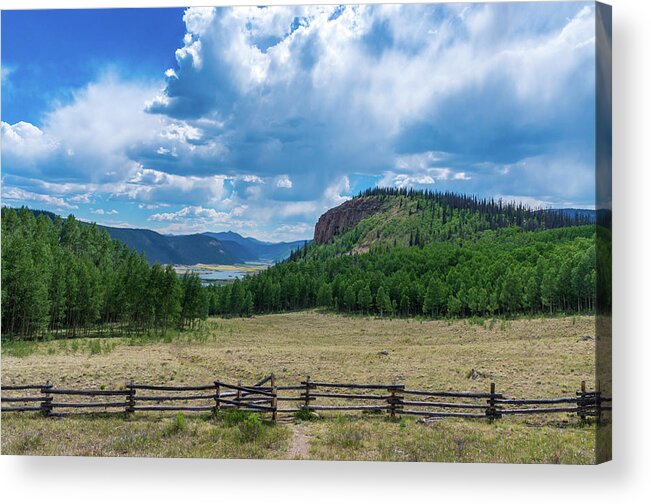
(274, 398)
(307, 392)
(46, 405)
(238, 395)
(581, 402)
(491, 411)
(131, 398)
(597, 398)
(217, 392)
(394, 400)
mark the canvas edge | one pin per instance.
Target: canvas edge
(603, 205)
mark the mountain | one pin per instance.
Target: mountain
(255, 249)
(182, 249)
(390, 217)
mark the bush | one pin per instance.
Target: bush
(231, 418)
(250, 428)
(178, 425)
(304, 414)
(249, 425)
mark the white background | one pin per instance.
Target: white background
(626, 479)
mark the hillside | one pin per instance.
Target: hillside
(188, 249)
(409, 253)
(256, 250)
(402, 217)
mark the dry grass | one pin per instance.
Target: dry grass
(525, 358)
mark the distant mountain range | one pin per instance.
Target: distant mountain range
(171, 249)
(256, 250)
(207, 248)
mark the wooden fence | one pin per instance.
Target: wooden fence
(266, 397)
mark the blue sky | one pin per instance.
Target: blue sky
(260, 119)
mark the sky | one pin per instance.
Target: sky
(258, 120)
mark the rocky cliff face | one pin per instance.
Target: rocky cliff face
(339, 219)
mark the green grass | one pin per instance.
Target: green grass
(141, 436)
(355, 438)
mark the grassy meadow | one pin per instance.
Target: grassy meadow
(540, 357)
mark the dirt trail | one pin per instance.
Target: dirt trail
(300, 444)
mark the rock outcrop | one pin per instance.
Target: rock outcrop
(346, 216)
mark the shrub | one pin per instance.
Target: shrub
(95, 347)
(304, 414)
(250, 428)
(249, 425)
(178, 425)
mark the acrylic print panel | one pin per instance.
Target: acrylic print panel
(357, 232)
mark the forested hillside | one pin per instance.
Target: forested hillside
(66, 277)
(416, 218)
(430, 254)
(387, 252)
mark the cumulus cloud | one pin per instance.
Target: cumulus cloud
(334, 89)
(284, 182)
(87, 139)
(26, 145)
(272, 112)
(149, 185)
(22, 196)
(101, 211)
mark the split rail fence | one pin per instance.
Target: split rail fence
(266, 397)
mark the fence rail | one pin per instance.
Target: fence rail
(262, 397)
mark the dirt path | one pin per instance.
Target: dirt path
(300, 444)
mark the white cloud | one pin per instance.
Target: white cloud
(525, 200)
(151, 206)
(88, 139)
(26, 144)
(199, 219)
(154, 186)
(80, 198)
(337, 193)
(253, 179)
(294, 208)
(419, 161)
(284, 182)
(101, 211)
(20, 195)
(197, 211)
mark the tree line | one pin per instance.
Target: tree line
(503, 272)
(65, 277)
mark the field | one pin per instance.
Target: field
(541, 357)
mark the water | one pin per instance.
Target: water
(208, 276)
